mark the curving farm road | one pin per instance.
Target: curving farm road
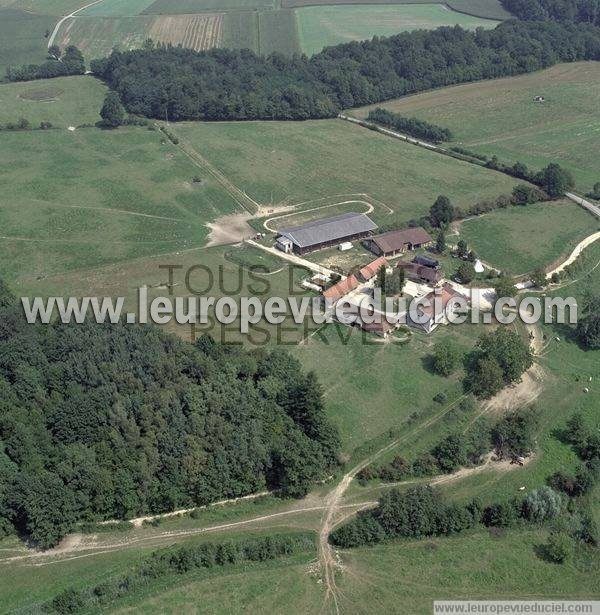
(63, 19)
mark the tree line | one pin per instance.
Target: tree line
(511, 437)
(419, 129)
(70, 62)
(165, 82)
(178, 561)
(100, 422)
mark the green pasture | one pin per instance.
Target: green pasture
(499, 117)
(323, 26)
(520, 239)
(64, 101)
(298, 162)
(117, 8)
(370, 387)
(174, 7)
(211, 272)
(74, 200)
(408, 575)
(23, 37)
(487, 9)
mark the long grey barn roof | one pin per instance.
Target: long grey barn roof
(329, 229)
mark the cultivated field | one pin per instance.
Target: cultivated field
(322, 26)
(65, 101)
(194, 32)
(500, 117)
(298, 162)
(97, 36)
(520, 239)
(77, 200)
(240, 30)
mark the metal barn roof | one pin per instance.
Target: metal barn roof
(329, 229)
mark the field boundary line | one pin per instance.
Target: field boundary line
(246, 202)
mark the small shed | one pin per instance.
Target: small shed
(284, 244)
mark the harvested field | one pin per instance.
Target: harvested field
(196, 32)
(97, 36)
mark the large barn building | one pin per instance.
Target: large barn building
(325, 233)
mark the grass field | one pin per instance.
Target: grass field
(278, 31)
(229, 276)
(172, 7)
(499, 117)
(487, 9)
(45, 7)
(23, 38)
(322, 26)
(117, 8)
(371, 387)
(295, 162)
(520, 239)
(76, 200)
(474, 566)
(65, 101)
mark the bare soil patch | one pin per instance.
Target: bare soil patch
(518, 395)
(229, 229)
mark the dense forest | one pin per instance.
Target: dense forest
(181, 84)
(578, 11)
(113, 421)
